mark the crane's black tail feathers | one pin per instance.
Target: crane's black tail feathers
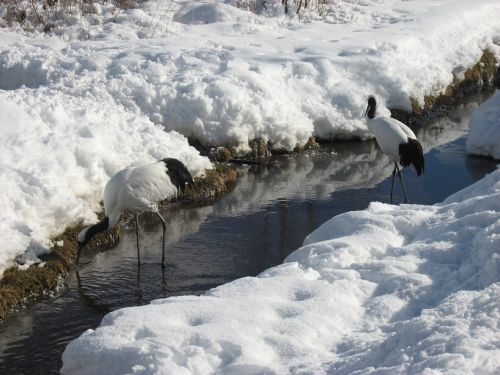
(412, 153)
(178, 173)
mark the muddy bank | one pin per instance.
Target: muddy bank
(19, 288)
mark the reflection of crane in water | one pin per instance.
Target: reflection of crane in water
(397, 141)
(104, 307)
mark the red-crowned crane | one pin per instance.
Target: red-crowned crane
(396, 140)
(138, 188)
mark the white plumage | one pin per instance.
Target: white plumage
(396, 140)
(390, 133)
(138, 188)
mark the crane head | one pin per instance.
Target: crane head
(87, 233)
(372, 106)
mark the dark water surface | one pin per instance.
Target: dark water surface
(266, 217)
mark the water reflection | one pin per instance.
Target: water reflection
(266, 216)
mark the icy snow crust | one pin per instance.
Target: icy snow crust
(390, 289)
(484, 136)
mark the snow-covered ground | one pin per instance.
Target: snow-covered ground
(225, 75)
(390, 289)
(95, 95)
(484, 136)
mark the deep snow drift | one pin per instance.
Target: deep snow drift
(484, 136)
(207, 70)
(391, 289)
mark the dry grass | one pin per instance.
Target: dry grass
(216, 182)
(17, 287)
(321, 7)
(38, 14)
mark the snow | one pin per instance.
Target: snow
(226, 76)
(484, 136)
(94, 95)
(391, 289)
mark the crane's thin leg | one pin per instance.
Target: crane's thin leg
(137, 238)
(402, 183)
(164, 224)
(392, 181)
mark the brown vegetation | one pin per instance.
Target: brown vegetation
(39, 14)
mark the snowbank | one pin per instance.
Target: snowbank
(391, 289)
(58, 152)
(226, 76)
(484, 136)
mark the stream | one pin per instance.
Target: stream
(266, 216)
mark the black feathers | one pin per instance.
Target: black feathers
(372, 107)
(412, 153)
(94, 229)
(178, 173)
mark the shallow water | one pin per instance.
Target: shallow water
(267, 215)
